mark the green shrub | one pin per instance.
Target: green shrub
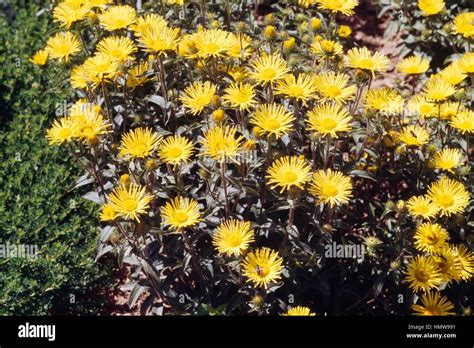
(38, 204)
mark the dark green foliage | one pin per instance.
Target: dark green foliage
(37, 203)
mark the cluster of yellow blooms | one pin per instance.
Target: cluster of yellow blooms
(258, 96)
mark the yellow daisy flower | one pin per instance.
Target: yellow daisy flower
(423, 274)
(464, 24)
(329, 119)
(385, 100)
(273, 119)
(463, 121)
(239, 95)
(101, 67)
(450, 109)
(288, 172)
(448, 262)
(211, 43)
(138, 75)
(150, 20)
(108, 213)
(180, 213)
(422, 206)
(130, 201)
(262, 267)
(326, 49)
(345, 7)
(40, 58)
(267, 69)
(452, 74)
(159, 39)
(62, 130)
(117, 17)
(433, 304)
(68, 12)
(449, 195)
(299, 311)
(334, 87)
(62, 46)
(118, 47)
(233, 237)
(414, 135)
(139, 143)
(466, 260)
(466, 63)
(220, 143)
(331, 187)
(438, 90)
(413, 65)
(198, 95)
(175, 150)
(431, 7)
(79, 77)
(430, 237)
(447, 159)
(361, 58)
(301, 88)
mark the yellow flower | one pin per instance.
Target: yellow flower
(301, 88)
(211, 43)
(346, 7)
(218, 115)
(40, 58)
(464, 24)
(180, 213)
(430, 237)
(447, 159)
(431, 7)
(449, 195)
(433, 304)
(326, 48)
(198, 95)
(385, 100)
(288, 172)
(262, 267)
(79, 77)
(450, 109)
(331, 187)
(289, 44)
(139, 143)
(220, 143)
(118, 47)
(267, 69)
(449, 264)
(329, 119)
(159, 39)
(138, 75)
(306, 3)
(117, 17)
(62, 45)
(452, 74)
(361, 58)
(438, 90)
(233, 237)
(299, 311)
(68, 12)
(423, 274)
(466, 259)
(99, 68)
(130, 201)
(463, 121)
(240, 95)
(150, 20)
(107, 213)
(422, 206)
(344, 31)
(90, 124)
(334, 87)
(62, 130)
(273, 119)
(414, 135)
(413, 65)
(175, 150)
(466, 63)
(420, 105)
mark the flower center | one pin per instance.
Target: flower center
(446, 200)
(422, 276)
(65, 133)
(432, 239)
(466, 125)
(262, 270)
(211, 48)
(333, 91)
(290, 177)
(129, 205)
(175, 152)
(296, 91)
(273, 124)
(87, 131)
(235, 241)
(328, 123)
(330, 190)
(423, 209)
(181, 217)
(366, 64)
(140, 148)
(268, 74)
(433, 310)
(221, 146)
(425, 109)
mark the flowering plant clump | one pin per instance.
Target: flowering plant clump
(244, 160)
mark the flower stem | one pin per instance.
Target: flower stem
(224, 184)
